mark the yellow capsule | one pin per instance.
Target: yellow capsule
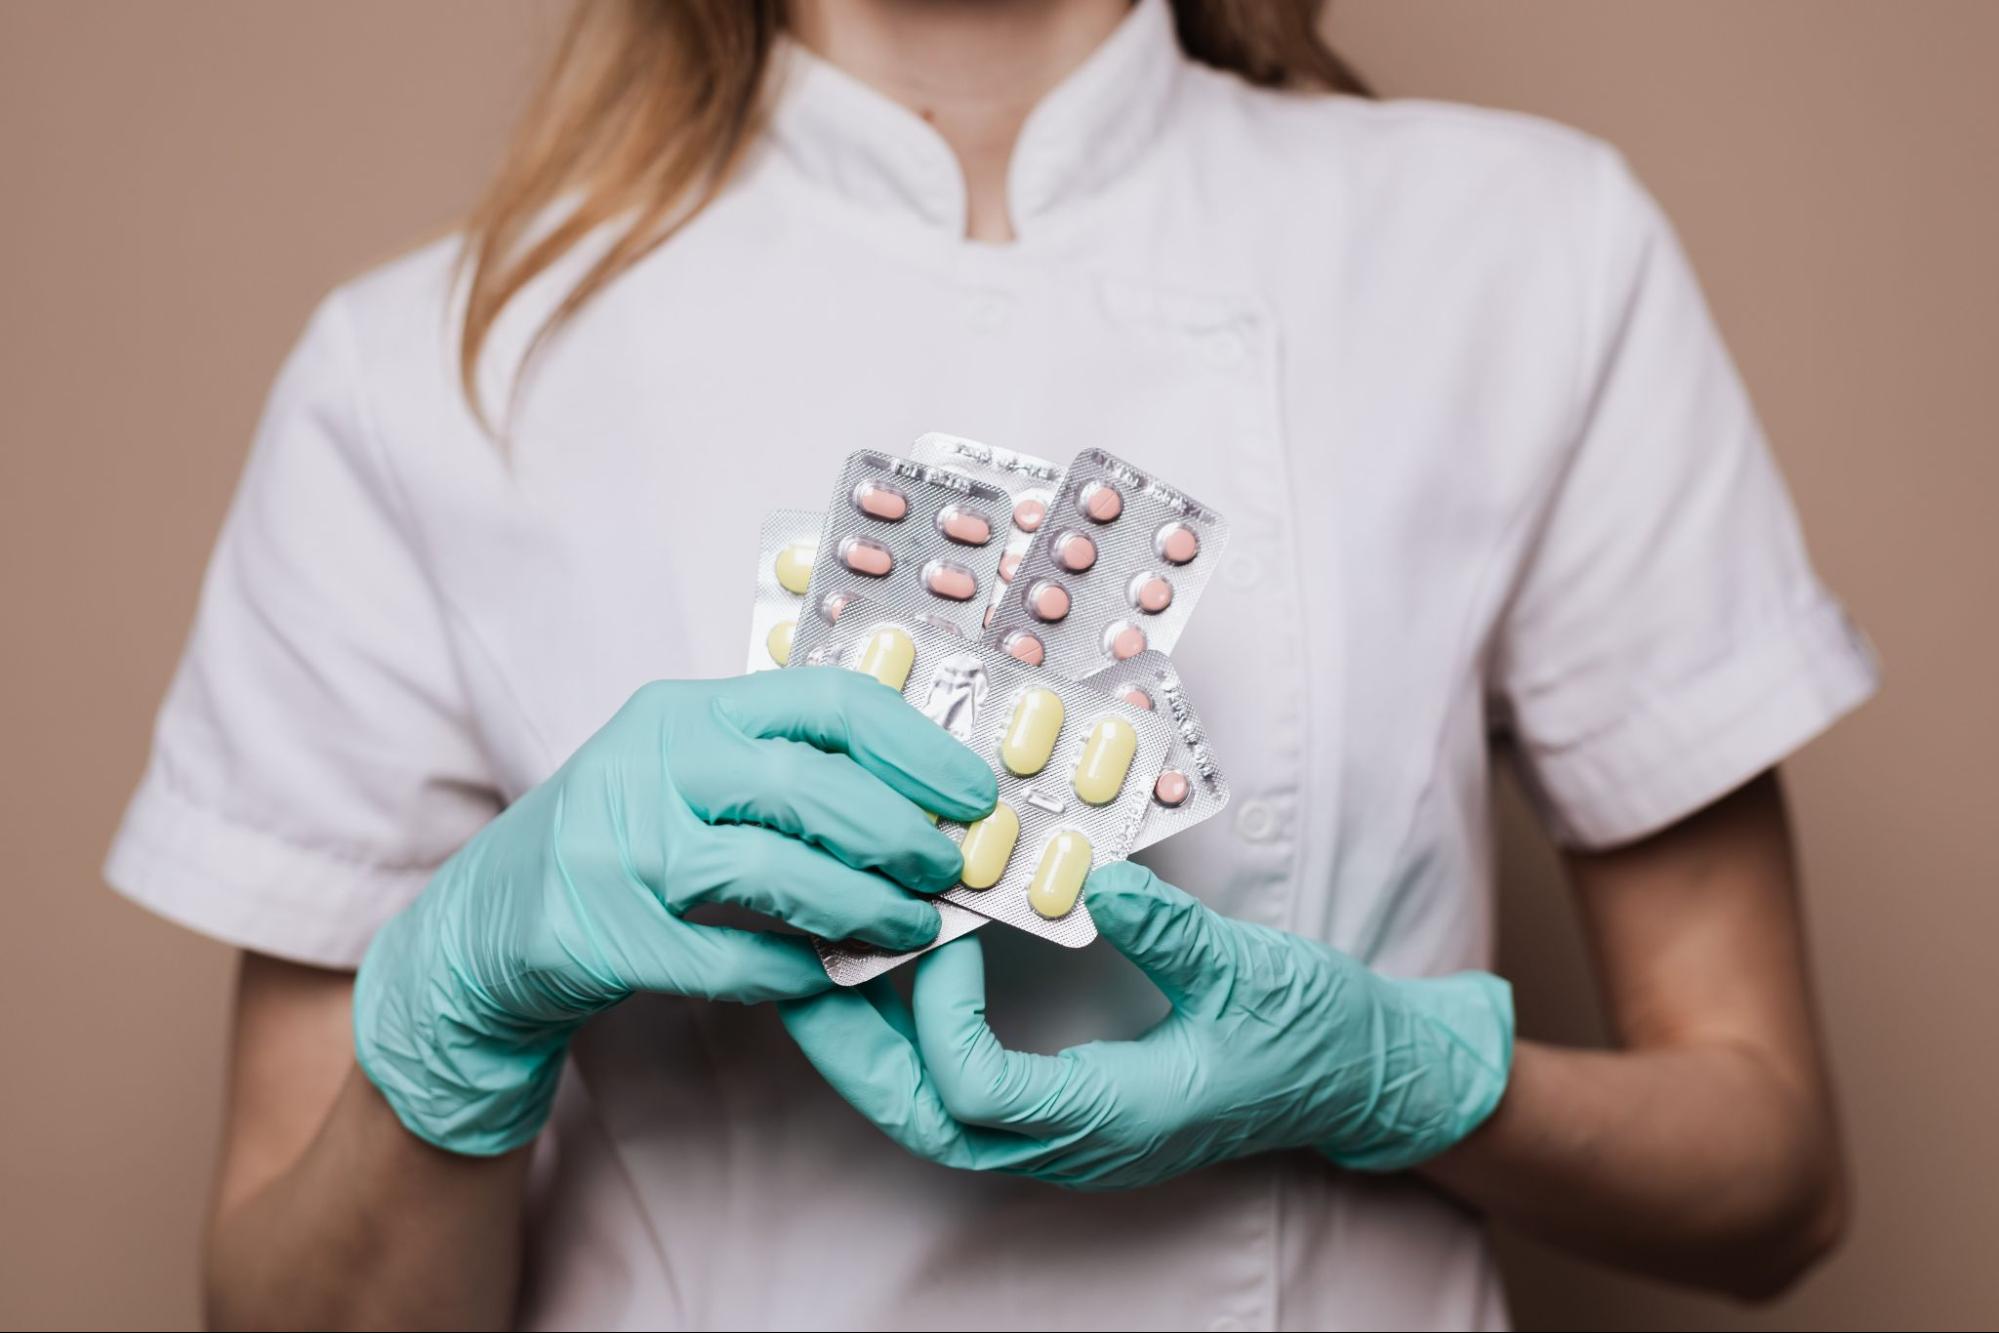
(887, 656)
(1106, 759)
(988, 846)
(794, 567)
(1059, 877)
(1030, 735)
(779, 641)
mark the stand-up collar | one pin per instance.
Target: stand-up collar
(844, 136)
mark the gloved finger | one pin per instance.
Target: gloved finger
(981, 1081)
(890, 1004)
(803, 887)
(836, 709)
(876, 1069)
(827, 800)
(724, 963)
(861, 1042)
(1168, 933)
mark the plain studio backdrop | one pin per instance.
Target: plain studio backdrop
(180, 182)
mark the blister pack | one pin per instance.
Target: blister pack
(850, 963)
(1075, 765)
(1191, 786)
(1116, 569)
(916, 539)
(1031, 483)
(785, 545)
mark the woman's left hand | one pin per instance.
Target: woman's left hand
(1275, 1041)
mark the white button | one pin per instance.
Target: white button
(1225, 348)
(1255, 821)
(1241, 569)
(1226, 1324)
(987, 311)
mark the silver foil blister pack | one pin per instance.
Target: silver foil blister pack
(1147, 681)
(785, 545)
(916, 539)
(1030, 482)
(1075, 765)
(1116, 569)
(1190, 786)
(850, 963)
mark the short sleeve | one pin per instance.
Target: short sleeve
(314, 760)
(1667, 639)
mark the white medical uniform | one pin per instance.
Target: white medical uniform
(1489, 471)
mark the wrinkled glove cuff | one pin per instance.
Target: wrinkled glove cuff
(1444, 1049)
(454, 1086)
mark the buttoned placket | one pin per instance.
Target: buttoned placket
(1263, 566)
(1234, 340)
(1229, 338)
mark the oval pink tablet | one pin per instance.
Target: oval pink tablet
(1136, 697)
(1008, 564)
(1100, 502)
(1172, 789)
(1124, 640)
(1151, 593)
(945, 579)
(967, 527)
(1027, 515)
(1176, 543)
(1075, 552)
(866, 557)
(878, 499)
(833, 604)
(988, 621)
(1024, 647)
(1048, 600)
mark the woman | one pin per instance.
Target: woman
(1490, 475)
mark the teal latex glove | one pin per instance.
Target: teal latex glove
(791, 793)
(1274, 1042)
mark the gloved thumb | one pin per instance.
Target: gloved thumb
(1170, 934)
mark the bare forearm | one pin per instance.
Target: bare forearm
(1696, 1163)
(371, 1227)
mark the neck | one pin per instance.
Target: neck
(972, 68)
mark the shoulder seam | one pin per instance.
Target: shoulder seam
(338, 315)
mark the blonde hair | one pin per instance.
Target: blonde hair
(649, 105)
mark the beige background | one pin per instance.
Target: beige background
(178, 183)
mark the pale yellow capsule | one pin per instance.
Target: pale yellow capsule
(1105, 760)
(1059, 877)
(794, 567)
(1030, 734)
(988, 846)
(779, 641)
(887, 656)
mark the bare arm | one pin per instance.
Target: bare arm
(1704, 1148)
(327, 1213)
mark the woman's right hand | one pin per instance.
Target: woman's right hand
(792, 793)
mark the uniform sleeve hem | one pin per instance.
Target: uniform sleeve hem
(1683, 749)
(248, 888)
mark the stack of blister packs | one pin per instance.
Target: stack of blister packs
(1028, 609)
